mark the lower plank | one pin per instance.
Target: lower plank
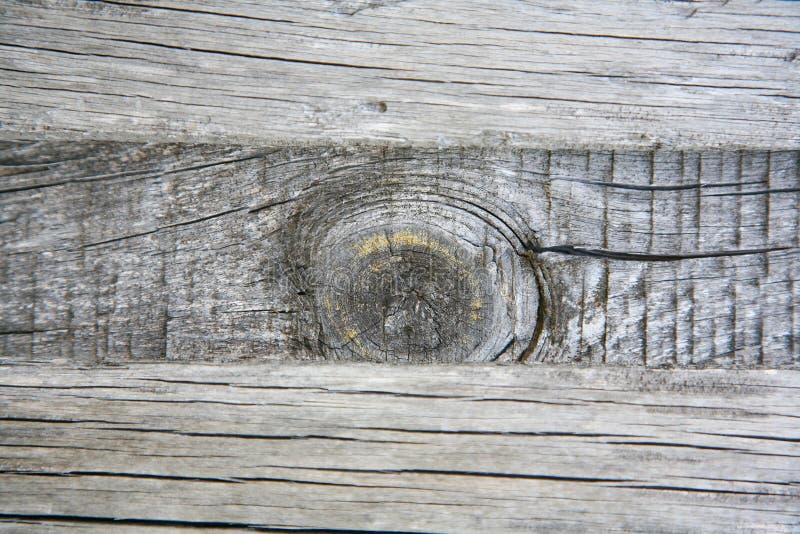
(362, 447)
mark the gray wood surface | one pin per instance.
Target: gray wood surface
(617, 73)
(610, 186)
(118, 252)
(404, 448)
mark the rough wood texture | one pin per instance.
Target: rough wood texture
(408, 448)
(643, 245)
(115, 252)
(616, 73)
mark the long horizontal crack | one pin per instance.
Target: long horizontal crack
(459, 473)
(254, 56)
(165, 227)
(702, 490)
(227, 525)
(571, 250)
(187, 478)
(144, 173)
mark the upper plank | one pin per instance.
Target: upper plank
(600, 74)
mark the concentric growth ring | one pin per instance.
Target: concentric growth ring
(410, 269)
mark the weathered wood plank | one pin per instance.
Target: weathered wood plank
(408, 448)
(620, 73)
(118, 252)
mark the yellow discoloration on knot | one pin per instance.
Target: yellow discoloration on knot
(475, 305)
(381, 242)
(411, 238)
(349, 334)
(371, 244)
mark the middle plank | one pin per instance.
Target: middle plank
(120, 251)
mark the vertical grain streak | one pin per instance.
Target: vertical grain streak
(698, 241)
(112, 308)
(797, 212)
(581, 317)
(644, 318)
(692, 320)
(648, 268)
(793, 334)
(737, 337)
(739, 201)
(34, 290)
(651, 182)
(792, 280)
(768, 226)
(70, 335)
(675, 306)
(607, 264)
(513, 292)
(681, 208)
(549, 192)
(165, 311)
(731, 289)
(699, 200)
(677, 282)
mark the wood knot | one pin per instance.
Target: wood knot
(397, 269)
